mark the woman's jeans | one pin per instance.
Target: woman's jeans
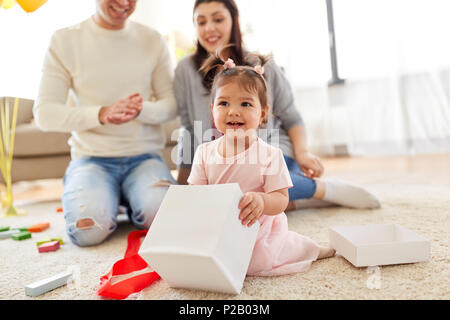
(95, 187)
(304, 187)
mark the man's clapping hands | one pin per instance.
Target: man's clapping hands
(121, 111)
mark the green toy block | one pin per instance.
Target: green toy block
(23, 229)
(58, 239)
(48, 239)
(22, 236)
(3, 229)
(43, 240)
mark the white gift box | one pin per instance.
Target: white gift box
(197, 241)
(376, 245)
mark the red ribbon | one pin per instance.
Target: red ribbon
(130, 263)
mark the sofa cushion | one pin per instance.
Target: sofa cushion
(30, 141)
(25, 109)
(38, 168)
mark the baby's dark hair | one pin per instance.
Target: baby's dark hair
(246, 75)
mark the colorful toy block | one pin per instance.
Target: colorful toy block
(49, 246)
(60, 209)
(39, 227)
(21, 236)
(43, 240)
(48, 239)
(3, 229)
(39, 287)
(60, 240)
(8, 234)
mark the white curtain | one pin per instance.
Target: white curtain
(394, 55)
(396, 58)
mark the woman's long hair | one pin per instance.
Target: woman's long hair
(236, 51)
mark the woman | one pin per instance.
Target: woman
(217, 26)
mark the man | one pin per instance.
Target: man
(107, 68)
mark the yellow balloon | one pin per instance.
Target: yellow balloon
(31, 5)
(8, 4)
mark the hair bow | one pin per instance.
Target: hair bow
(259, 69)
(229, 64)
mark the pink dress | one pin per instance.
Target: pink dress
(261, 168)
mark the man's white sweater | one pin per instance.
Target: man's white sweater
(87, 67)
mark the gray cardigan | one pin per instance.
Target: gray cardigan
(193, 101)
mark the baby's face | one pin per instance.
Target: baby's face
(235, 109)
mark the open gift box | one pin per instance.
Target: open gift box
(197, 241)
(376, 245)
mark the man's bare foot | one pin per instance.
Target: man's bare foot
(326, 252)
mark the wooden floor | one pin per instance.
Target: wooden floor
(421, 168)
(424, 168)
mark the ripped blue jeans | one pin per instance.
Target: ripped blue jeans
(95, 187)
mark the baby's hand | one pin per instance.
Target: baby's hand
(252, 207)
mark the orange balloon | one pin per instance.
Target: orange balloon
(31, 5)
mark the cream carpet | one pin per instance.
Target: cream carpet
(416, 203)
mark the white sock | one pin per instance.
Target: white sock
(312, 203)
(349, 195)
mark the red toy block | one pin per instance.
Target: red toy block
(39, 227)
(49, 246)
(60, 209)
